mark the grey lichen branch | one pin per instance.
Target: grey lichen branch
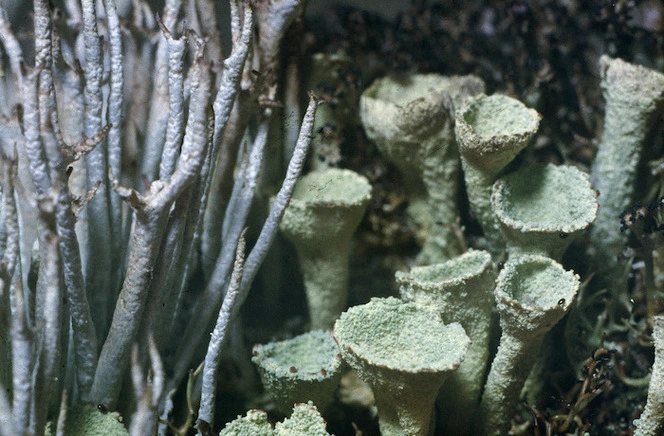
(233, 66)
(175, 125)
(269, 230)
(48, 337)
(159, 111)
(100, 248)
(151, 213)
(46, 169)
(62, 415)
(74, 152)
(268, 233)
(148, 390)
(220, 335)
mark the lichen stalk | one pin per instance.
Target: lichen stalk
(532, 294)
(412, 121)
(634, 96)
(257, 254)
(446, 289)
(491, 131)
(150, 215)
(324, 212)
(651, 421)
(219, 337)
(99, 265)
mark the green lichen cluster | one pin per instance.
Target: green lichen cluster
(404, 352)
(305, 368)
(89, 420)
(304, 421)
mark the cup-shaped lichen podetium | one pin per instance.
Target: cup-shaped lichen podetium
(305, 368)
(542, 209)
(411, 120)
(634, 99)
(491, 131)
(323, 213)
(532, 294)
(404, 352)
(460, 290)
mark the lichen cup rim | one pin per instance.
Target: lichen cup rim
(491, 150)
(521, 182)
(410, 107)
(443, 359)
(357, 192)
(536, 306)
(482, 120)
(429, 274)
(400, 99)
(269, 363)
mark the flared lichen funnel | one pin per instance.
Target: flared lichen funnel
(634, 97)
(404, 352)
(323, 213)
(651, 422)
(460, 290)
(532, 294)
(491, 131)
(411, 120)
(305, 368)
(542, 209)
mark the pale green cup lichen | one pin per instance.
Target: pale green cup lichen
(324, 211)
(304, 421)
(411, 120)
(491, 131)
(634, 97)
(255, 423)
(651, 422)
(460, 290)
(89, 420)
(404, 352)
(532, 294)
(305, 368)
(542, 209)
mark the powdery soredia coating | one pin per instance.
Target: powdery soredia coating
(405, 352)
(304, 421)
(323, 213)
(89, 420)
(651, 422)
(491, 131)
(542, 209)
(305, 368)
(634, 96)
(460, 290)
(411, 120)
(254, 423)
(532, 294)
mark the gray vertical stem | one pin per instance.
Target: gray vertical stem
(100, 247)
(116, 120)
